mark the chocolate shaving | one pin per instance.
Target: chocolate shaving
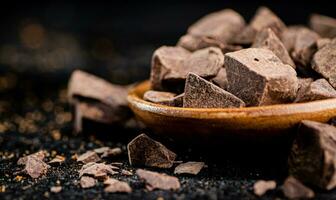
(113, 185)
(261, 187)
(87, 182)
(99, 170)
(294, 189)
(189, 168)
(89, 156)
(143, 150)
(323, 25)
(156, 180)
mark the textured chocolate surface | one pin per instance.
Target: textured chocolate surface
(323, 25)
(317, 90)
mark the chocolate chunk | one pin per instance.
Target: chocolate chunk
(324, 62)
(266, 38)
(87, 157)
(34, 165)
(87, 182)
(305, 46)
(317, 90)
(164, 98)
(57, 159)
(38, 155)
(323, 25)
(56, 189)
(221, 79)
(264, 18)
(156, 180)
(101, 150)
(143, 150)
(288, 36)
(200, 93)
(172, 64)
(294, 189)
(111, 152)
(89, 88)
(193, 43)
(189, 168)
(221, 26)
(258, 77)
(261, 187)
(313, 154)
(99, 170)
(322, 42)
(113, 185)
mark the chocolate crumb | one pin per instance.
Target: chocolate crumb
(56, 189)
(57, 159)
(261, 187)
(189, 168)
(87, 182)
(99, 170)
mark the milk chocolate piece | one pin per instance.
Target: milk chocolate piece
(156, 180)
(193, 43)
(87, 182)
(322, 42)
(261, 187)
(323, 25)
(111, 152)
(164, 98)
(317, 90)
(221, 79)
(143, 150)
(39, 155)
(222, 26)
(324, 62)
(34, 165)
(266, 38)
(313, 154)
(189, 168)
(264, 18)
(258, 77)
(114, 185)
(294, 189)
(99, 170)
(87, 157)
(305, 46)
(200, 93)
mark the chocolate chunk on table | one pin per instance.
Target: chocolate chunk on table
(200, 93)
(189, 168)
(323, 25)
(266, 38)
(264, 18)
(143, 150)
(258, 77)
(317, 90)
(114, 185)
(164, 98)
(156, 180)
(87, 157)
(221, 79)
(34, 165)
(324, 62)
(294, 189)
(261, 187)
(313, 155)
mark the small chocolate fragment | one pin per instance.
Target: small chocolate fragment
(56, 189)
(221, 26)
(189, 168)
(164, 98)
(258, 77)
(57, 159)
(324, 62)
(264, 18)
(266, 38)
(34, 165)
(294, 189)
(111, 152)
(156, 180)
(38, 155)
(317, 90)
(87, 182)
(313, 154)
(113, 185)
(200, 93)
(261, 187)
(126, 172)
(323, 25)
(193, 43)
(305, 46)
(221, 79)
(143, 150)
(87, 157)
(101, 150)
(322, 42)
(99, 170)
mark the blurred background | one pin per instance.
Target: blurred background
(46, 40)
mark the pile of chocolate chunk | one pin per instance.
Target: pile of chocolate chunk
(222, 62)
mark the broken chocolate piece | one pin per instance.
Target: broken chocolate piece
(317, 90)
(261, 187)
(111, 152)
(313, 154)
(34, 165)
(305, 46)
(126, 172)
(221, 26)
(114, 185)
(266, 38)
(288, 36)
(143, 150)
(221, 79)
(323, 25)
(156, 180)
(99, 170)
(87, 182)
(101, 150)
(164, 98)
(322, 42)
(294, 189)
(57, 159)
(258, 77)
(189, 168)
(39, 155)
(264, 18)
(200, 93)
(87, 157)
(56, 189)
(324, 62)
(193, 43)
